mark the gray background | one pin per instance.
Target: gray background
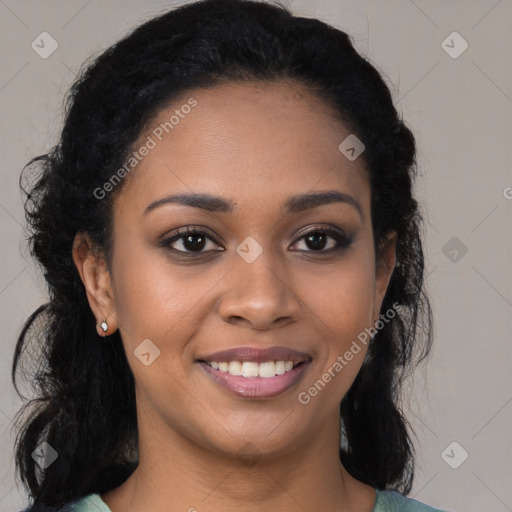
(457, 107)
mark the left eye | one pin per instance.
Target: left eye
(317, 238)
(193, 240)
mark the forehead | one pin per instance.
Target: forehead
(248, 141)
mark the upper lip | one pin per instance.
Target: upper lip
(257, 355)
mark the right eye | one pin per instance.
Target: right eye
(188, 240)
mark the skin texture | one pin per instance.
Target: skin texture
(255, 144)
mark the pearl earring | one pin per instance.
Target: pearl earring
(104, 325)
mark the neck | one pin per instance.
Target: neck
(178, 474)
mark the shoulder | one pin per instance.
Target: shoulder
(392, 501)
(90, 503)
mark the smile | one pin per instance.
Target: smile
(250, 369)
(250, 384)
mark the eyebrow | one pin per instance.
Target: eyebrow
(294, 204)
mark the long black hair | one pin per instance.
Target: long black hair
(84, 403)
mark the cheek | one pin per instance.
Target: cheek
(152, 296)
(341, 295)
(341, 302)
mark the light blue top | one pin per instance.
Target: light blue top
(386, 501)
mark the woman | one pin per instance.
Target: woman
(233, 255)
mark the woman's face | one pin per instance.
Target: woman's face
(253, 279)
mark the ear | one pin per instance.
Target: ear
(385, 264)
(96, 279)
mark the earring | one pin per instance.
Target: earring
(104, 326)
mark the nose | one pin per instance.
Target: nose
(259, 294)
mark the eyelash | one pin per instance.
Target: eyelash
(342, 241)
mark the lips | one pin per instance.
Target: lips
(257, 355)
(256, 387)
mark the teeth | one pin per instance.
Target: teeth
(235, 368)
(251, 369)
(267, 369)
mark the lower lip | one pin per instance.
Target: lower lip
(257, 387)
